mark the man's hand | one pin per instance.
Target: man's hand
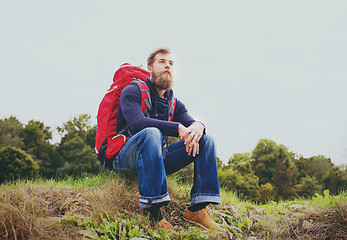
(196, 130)
(191, 137)
(183, 132)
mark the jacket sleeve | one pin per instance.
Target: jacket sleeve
(181, 115)
(130, 105)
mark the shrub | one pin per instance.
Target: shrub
(15, 163)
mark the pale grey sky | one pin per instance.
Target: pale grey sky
(247, 69)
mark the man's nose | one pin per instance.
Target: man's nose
(167, 65)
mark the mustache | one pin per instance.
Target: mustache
(163, 72)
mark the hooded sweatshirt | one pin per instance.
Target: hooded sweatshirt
(131, 114)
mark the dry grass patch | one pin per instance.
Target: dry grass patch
(108, 206)
(35, 210)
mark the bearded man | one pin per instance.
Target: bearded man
(147, 154)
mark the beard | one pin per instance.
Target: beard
(162, 81)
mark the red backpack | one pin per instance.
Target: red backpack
(108, 143)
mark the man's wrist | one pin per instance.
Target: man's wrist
(204, 128)
(203, 125)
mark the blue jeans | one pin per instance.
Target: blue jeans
(143, 154)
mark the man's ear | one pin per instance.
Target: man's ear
(149, 69)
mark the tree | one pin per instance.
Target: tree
(238, 175)
(78, 126)
(284, 173)
(246, 186)
(336, 180)
(36, 138)
(263, 160)
(241, 162)
(323, 170)
(11, 132)
(275, 165)
(15, 163)
(75, 147)
(308, 186)
(319, 167)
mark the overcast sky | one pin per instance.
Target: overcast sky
(248, 69)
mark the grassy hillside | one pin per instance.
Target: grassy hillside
(106, 207)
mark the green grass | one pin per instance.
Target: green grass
(106, 207)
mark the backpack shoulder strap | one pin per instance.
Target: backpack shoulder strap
(146, 103)
(172, 108)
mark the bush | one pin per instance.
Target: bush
(15, 163)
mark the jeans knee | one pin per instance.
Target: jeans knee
(153, 134)
(207, 139)
(207, 143)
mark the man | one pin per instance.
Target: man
(147, 154)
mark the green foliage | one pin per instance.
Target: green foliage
(319, 166)
(308, 186)
(270, 172)
(78, 126)
(264, 160)
(324, 201)
(186, 174)
(11, 133)
(336, 180)
(33, 138)
(173, 140)
(91, 136)
(36, 132)
(246, 186)
(239, 176)
(316, 166)
(243, 180)
(36, 138)
(325, 173)
(121, 229)
(76, 147)
(284, 175)
(241, 163)
(266, 192)
(15, 163)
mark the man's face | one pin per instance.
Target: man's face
(161, 71)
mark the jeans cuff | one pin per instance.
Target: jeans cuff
(147, 202)
(200, 198)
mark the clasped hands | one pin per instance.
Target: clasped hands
(191, 136)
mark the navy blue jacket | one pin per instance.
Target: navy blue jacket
(130, 112)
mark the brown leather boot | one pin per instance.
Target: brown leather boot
(163, 224)
(203, 217)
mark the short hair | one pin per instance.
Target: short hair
(151, 57)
